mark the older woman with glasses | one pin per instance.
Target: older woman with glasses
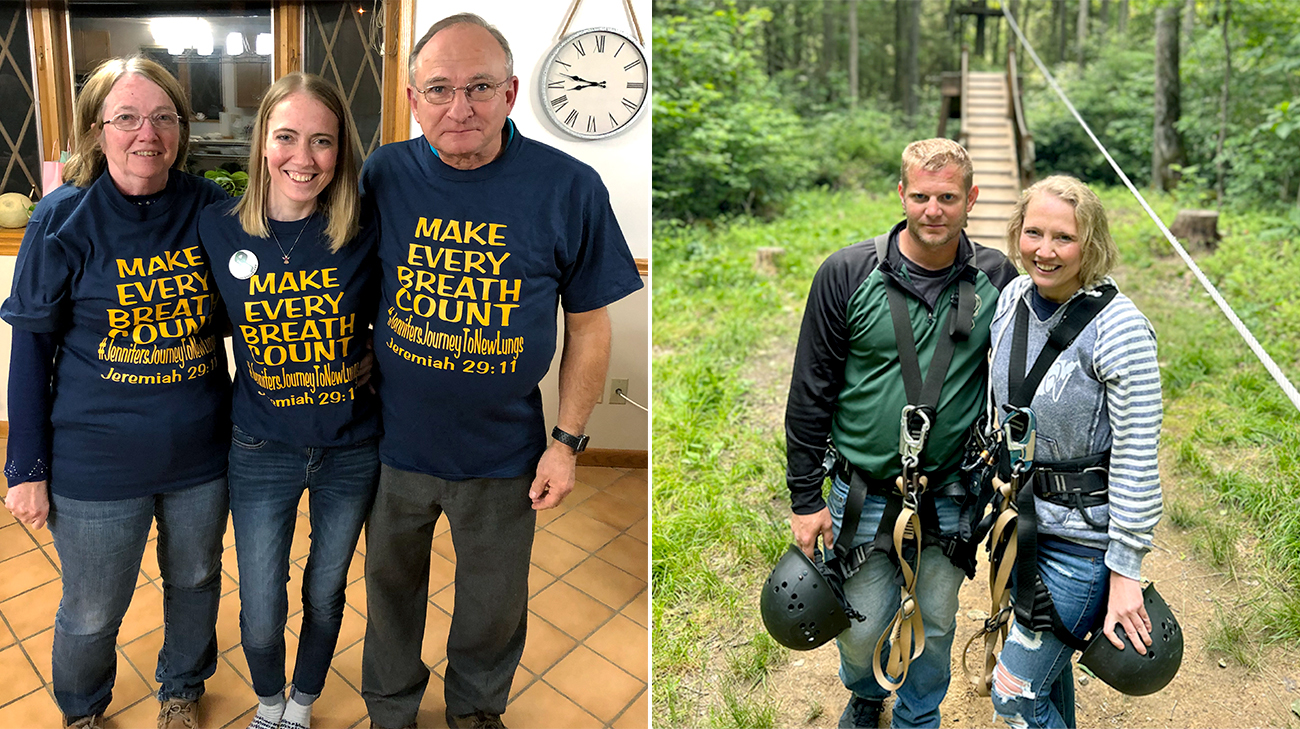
(118, 392)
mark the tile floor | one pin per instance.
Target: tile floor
(586, 663)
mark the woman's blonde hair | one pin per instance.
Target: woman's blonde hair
(87, 160)
(1098, 251)
(340, 201)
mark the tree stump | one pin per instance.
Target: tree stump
(768, 260)
(1198, 228)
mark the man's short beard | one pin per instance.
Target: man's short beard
(923, 242)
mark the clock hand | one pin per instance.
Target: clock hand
(589, 84)
(579, 79)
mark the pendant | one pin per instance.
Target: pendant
(286, 260)
(243, 264)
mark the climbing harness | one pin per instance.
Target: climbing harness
(1079, 483)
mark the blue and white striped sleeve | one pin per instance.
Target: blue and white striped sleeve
(1125, 361)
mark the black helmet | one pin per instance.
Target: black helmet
(1126, 670)
(799, 606)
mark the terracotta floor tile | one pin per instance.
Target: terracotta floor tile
(613, 511)
(446, 598)
(228, 622)
(19, 676)
(538, 579)
(230, 563)
(520, 682)
(142, 653)
(542, 706)
(40, 649)
(436, 626)
(640, 531)
(443, 545)
(128, 688)
(15, 540)
(339, 705)
(144, 614)
(294, 588)
(238, 661)
(355, 596)
(442, 572)
(348, 664)
(6, 637)
(149, 560)
(582, 530)
(52, 555)
(639, 610)
(301, 539)
(442, 526)
(140, 715)
(547, 516)
(226, 697)
(597, 477)
(545, 646)
(625, 644)
(227, 540)
(579, 495)
(6, 517)
(27, 570)
(570, 610)
(353, 628)
(43, 536)
(433, 708)
(554, 554)
(33, 611)
(357, 567)
(594, 683)
(636, 716)
(631, 486)
(605, 582)
(628, 555)
(36, 709)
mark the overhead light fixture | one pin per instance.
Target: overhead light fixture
(234, 43)
(264, 44)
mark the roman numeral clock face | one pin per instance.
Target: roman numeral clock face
(595, 83)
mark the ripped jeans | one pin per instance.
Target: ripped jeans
(1033, 685)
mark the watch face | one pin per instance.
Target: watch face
(595, 83)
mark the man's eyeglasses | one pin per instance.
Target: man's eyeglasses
(128, 122)
(444, 93)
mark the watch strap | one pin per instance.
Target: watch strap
(577, 442)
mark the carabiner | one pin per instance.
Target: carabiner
(910, 444)
(1019, 429)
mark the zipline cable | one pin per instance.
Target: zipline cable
(1254, 344)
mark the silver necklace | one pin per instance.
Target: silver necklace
(284, 253)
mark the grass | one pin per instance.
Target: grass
(720, 503)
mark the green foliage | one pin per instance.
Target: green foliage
(725, 138)
(232, 182)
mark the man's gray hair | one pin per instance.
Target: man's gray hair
(458, 19)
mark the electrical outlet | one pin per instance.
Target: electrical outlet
(615, 385)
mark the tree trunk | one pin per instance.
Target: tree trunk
(907, 55)
(829, 44)
(1220, 164)
(1081, 38)
(1122, 24)
(1189, 21)
(1166, 148)
(1103, 20)
(853, 52)
(1062, 31)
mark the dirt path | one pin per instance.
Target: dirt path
(1203, 694)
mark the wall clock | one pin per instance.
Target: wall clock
(594, 83)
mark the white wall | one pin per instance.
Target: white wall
(623, 161)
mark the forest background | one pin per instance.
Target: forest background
(768, 134)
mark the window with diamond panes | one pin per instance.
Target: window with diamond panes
(343, 44)
(20, 154)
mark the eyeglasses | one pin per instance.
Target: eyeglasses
(444, 94)
(128, 122)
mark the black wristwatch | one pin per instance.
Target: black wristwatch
(577, 442)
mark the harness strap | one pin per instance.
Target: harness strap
(1002, 543)
(906, 630)
(1081, 311)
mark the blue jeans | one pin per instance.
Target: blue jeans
(873, 592)
(100, 544)
(1032, 684)
(267, 479)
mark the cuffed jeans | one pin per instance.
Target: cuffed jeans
(1033, 685)
(100, 545)
(492, 524)
(267, 479)
(874, 593)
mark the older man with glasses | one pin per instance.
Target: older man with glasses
(484, 233)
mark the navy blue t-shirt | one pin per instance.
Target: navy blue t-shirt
(475, 263)
(299, 328)
(141, 396)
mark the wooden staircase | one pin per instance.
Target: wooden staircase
(988, 133)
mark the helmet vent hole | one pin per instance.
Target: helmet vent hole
(784, 584)
(794, 596)
(801, 606)
(814, 585)
(790, 607)
(1151, 655)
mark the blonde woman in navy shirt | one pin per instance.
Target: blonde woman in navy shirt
(118, 394)
(297, 274)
